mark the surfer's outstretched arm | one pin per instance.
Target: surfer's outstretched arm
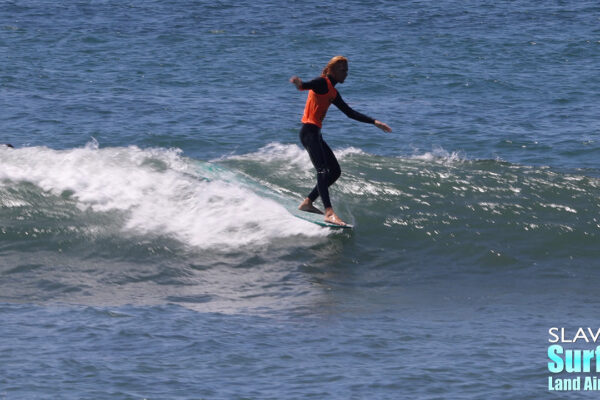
(319, 85)
(297, 82)
(350, 113)
(383, 126)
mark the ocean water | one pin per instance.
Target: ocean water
(147, 250)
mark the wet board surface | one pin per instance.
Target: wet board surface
(317, 219)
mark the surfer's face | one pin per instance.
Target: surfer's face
(340, 71)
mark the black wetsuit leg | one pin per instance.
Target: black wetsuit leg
(327, 166)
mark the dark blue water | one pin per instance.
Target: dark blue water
(147, 249)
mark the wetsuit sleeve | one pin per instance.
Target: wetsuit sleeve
(350, 113)
(319, 85)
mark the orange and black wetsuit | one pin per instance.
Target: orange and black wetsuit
(323, 93)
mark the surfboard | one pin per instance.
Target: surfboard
(317, 219)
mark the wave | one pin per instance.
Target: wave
(439, 202)
(142, 192)
(445, 203)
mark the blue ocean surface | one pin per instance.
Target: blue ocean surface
(147, 248)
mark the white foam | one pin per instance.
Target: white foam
(439, 155)
(274, 152)
(291, 154)
(161, 192)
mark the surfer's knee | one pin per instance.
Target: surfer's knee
(323, 172)
(334, 174)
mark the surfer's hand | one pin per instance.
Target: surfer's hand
(296, 81)
(382, 126)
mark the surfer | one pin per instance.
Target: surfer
(321, 94)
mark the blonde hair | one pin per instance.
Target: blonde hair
(332, 63)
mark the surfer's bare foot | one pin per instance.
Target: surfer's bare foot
(307, 206)
(332, 218)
